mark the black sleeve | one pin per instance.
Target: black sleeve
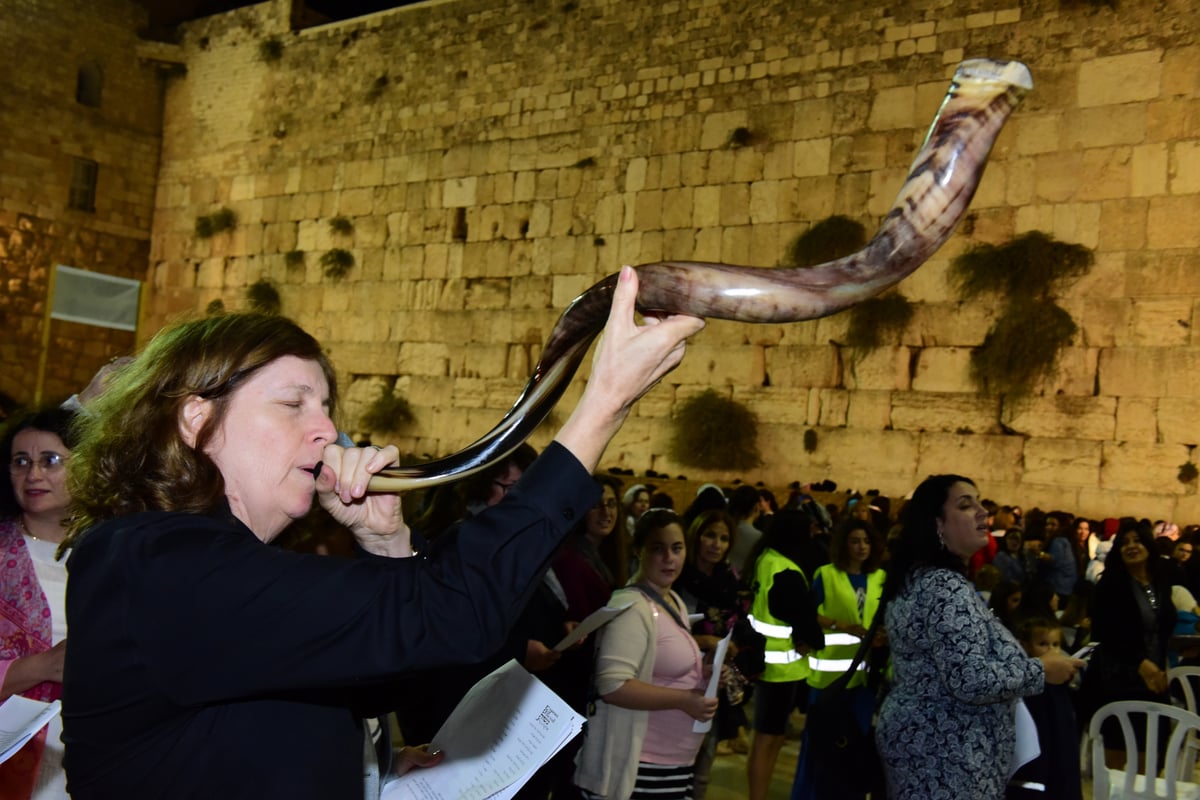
(217, 615)
(790, 601)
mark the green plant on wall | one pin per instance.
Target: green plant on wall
(341, 226)
(1031, 330)
(263, 297)
(215, 308)
(270, 49)
(710, 431)
(1188, 472)
(388, 413)
(293, 258)
(337, 262)
(209, 225)
(831, 238)
(874, 321)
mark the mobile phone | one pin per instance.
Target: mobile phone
(1086, 651)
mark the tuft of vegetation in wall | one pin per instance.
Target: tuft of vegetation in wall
(215, 308)
(378, 87)
(388, 413)
(585, 162)
(337, 262)
(879, 319)
(270, 49)
(710, 431)
(341, 226)
(1023, 346)
(293, 258)
(829, 239)
(1188, 472)
(810, 441)
(744, 137)
(1033, 265)
(209, 225)
(263, 297)
(1031, 330)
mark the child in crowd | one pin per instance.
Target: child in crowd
(1054, 773)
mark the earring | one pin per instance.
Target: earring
(940, 539)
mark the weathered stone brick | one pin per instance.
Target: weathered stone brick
(1120, 79)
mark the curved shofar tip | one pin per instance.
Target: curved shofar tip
(940, 184)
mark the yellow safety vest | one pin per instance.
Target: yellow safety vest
(841, 603)
(783, 663)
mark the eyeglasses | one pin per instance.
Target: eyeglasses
(49, 462)
(503, 487)
(608, 505)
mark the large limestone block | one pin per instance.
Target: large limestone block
(424, 358)
(893, 108)
(1090, 128)
(1174, 222)
(1179, 420)
(870, 410)
(1139, 467)
(1149, 372)
(1161, 321)
(1148, 170)
(865, 459)
(1124, 78)
(1185, 168)
(1137, 420)
(716, 365)
(987, 459)
(1119, 502)
(1062, 416)
(884, 368)
(943, 369)
(1102, 323)
(835, 406)
(774, 405)
(939, 324)
(1069, 462)
(796, 366)
(951, 413)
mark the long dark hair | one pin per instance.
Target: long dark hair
(839, 554)
(790, 534)
(1114, 563)
(919, 545)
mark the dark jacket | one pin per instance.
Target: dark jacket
(206, 664)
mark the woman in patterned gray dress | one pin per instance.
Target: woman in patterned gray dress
(946, 730)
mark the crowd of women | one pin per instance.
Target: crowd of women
(206, 660)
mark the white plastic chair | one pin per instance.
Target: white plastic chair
(1188, 679)
(1188, 692)
(1110, 783)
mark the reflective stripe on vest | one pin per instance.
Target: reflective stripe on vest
(767, 629)
(782, 657)
(841, 602)
(783, 663)
(838, 665)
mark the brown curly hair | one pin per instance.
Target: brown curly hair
(130, 455)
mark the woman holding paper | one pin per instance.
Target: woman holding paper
(649, 680)
(948, 726)
(33, 624)
(205, 663)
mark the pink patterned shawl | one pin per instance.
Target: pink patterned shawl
(24, 630)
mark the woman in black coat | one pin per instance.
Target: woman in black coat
(1132, 621)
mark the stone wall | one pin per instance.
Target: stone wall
(43, 45)
(496, 157)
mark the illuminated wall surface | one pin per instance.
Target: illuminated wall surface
(495, 158)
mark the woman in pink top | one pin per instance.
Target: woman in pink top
(649, 681)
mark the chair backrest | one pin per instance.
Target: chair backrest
(1188, 679)
(1174, 752)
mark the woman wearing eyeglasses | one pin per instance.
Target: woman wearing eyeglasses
(33, 623)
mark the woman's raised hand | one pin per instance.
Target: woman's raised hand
(375, 520)
(1060, 668)
(629, 360)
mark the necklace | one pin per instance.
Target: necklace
(25, 528)
(1151, 597)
